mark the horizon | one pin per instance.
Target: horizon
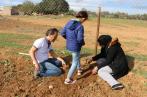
(125, 6)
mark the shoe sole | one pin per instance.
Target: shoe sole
(79, 74)
(67, 83)
(118, 88)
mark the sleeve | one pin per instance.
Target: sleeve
(63, 32)
(110, 55)
(102, 54)
(37, 43)
(80, 36)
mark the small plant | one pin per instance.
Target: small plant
(5, 62)
(86, 51)
(64, 52)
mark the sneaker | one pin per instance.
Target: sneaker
(117, 87)
(79, 72)
(69, 81)
(37, 75)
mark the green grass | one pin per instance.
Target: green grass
(64, 52)
(120, 22)
(86, 51)
(4, 36)
(140, 72)
(111, 21)
(10, 44)
(131, 43)
(145, 84)
(138, 57)
(143, 73)
(15, 42)
(124, 22)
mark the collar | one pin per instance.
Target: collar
(76, 19)
(113, 42)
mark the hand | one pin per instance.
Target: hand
(63, 62)
(64, 67)
(89, 60)
(37, 67)
(94, 71)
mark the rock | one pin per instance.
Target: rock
(50, 86)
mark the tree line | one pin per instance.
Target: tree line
(123, 15)
(57, 7)
(44, 7)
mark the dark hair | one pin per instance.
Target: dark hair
(104, 40)
(51, 31)
(82, 14)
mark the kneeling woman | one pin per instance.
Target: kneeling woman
(111, 62)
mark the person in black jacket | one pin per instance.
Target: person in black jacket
(111, 62)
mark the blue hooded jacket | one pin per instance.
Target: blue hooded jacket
(73, 32)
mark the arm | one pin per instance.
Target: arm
(80, 36)
(102, 54)
(63, 32)
(32, 54)
(110, 55)
(52, 54)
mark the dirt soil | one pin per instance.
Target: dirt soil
(16, 72)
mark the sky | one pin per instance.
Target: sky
(128, 6)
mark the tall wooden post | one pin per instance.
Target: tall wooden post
(98, 27)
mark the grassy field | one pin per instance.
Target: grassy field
(124, 22)
(111, 21)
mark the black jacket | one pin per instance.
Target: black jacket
(115, 58)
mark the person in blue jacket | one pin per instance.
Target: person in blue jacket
(73, 32)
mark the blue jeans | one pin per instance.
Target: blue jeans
(50, 67)
(75, 64)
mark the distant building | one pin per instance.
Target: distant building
(5, 10)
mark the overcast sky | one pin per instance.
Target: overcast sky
(129, 6)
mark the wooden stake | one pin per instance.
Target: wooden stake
(98, 27)
(24, 54)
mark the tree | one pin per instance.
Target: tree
(144, 16)
(27, 7)
(71, 12)
(52, 7)
(14, 10)
(105, 14)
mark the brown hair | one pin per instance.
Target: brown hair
(51, 31)
(82, 14)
